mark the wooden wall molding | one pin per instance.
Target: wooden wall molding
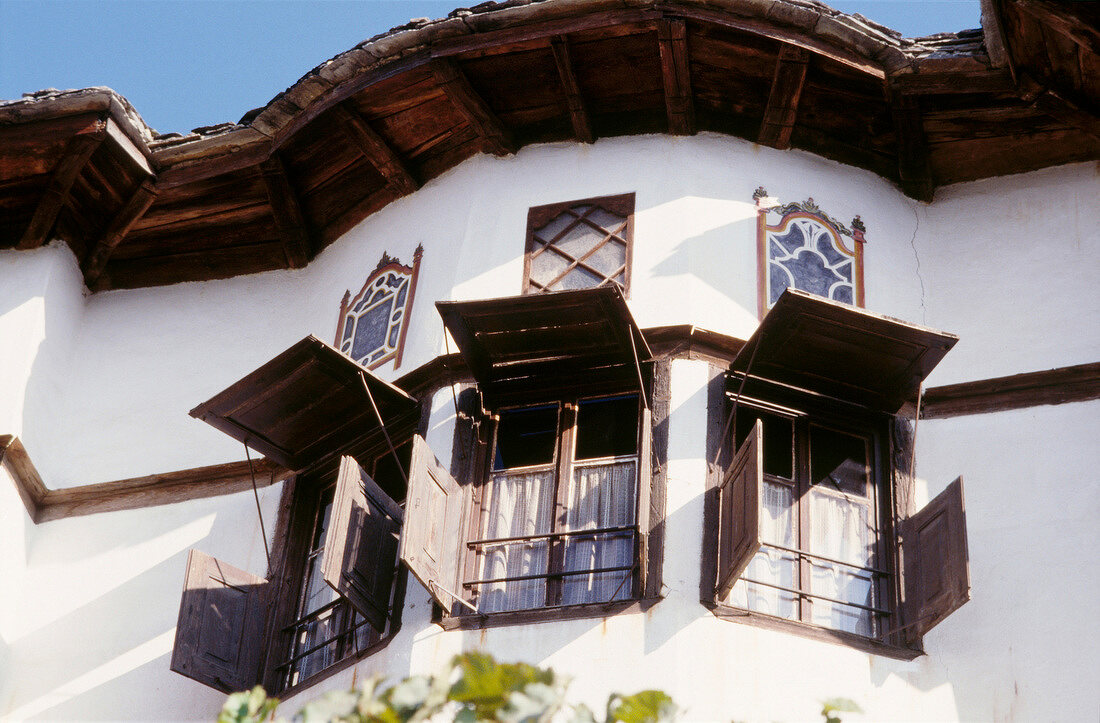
(44, 504)
(1062, 385)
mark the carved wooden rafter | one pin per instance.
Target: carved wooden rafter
(782, 108)
(289, 219)
(381, 155)
(914, 171)
(676, 74)
(578, 114)
(450, 79)
(77, 153)
(96, 260)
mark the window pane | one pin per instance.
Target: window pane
(770, 565)
(842, 529)
(579, 240)
(519, 504)
(838, 461)
(547, 266)
(778, 447)
(600, 496)
(607, 427)
(608, 258)
(578, 278)
(526, 437)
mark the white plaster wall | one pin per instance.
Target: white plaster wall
(100, 387)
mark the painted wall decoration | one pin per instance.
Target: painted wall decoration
(806, 249)
(372, 326)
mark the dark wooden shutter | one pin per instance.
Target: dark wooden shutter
(739, 498)
(433, 536)
(936, 562)
(219, 636)
(360, 554)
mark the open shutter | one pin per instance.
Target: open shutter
(739, 498)
(433, 535)
(937, 565)
(360, 554)
(219, 636)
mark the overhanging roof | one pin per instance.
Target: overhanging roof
(521, 346)
(841, 351)
(304, 405)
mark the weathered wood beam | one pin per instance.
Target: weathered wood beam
(96, 259)
(578, 114)
(495, 138)
(782, 108)
(289, 219)
(676, 74)
(77, 153)
(1056, 105)
(996, 45)
(1078, 383)
(914, 172)
(998, 80)
(384, 159)
(1075, 21)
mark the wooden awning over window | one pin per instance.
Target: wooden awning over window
(522, 346)
(303, 405)
(843, 352)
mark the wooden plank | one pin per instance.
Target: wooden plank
(676, 74)
(217, 263)
(120, 225)
(289, 220)
(955, 83)
(1062, 385)
(786, 90)
(77, 153)
(574, 100)
(1077, 21)
(740, 497)
(914, 171)
(1055, 105)
(28, 483)
(377, 151)
(495, 138)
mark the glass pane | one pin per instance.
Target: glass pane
(600, 496)
(559, 222)
(607, 427)
(778, 440)
(605, 219)
(370, 331)
(578, 278)
(842, 529)
(519, 505)
(770, 565)
(579, 240)
(526, 437)
(608, 258)
(838, 461)
(546, 267)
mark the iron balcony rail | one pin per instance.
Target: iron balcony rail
(552, 535)
(803, 553)
(546, 575)
(816, 596)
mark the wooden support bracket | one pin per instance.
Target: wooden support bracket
(914, 172)
(495, 138)
(289, 219)
(578, 114)
(782, 108)
(78, 151)
(96, 260)
(381, 155)
(676, 74)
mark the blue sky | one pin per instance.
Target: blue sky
(192, 63)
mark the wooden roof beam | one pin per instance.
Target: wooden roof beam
(96, 260)
(289, 219)
(1056, 105)
(78, 151)
(782, 109)
(914, 172)
(1073, 21)
(381, 155)
(676, 74)
(450, 79)
(578, 114)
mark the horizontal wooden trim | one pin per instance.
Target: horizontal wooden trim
(797, 627)
(545, 615)
(44, 504)
(1078, 383)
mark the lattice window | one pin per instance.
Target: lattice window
(579, 244)
(806, 250)
(372, 325)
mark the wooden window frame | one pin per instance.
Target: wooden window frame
(892, 490)
(621, 205)
(472, 460)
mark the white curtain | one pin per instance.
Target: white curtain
(770, 565)
(600, 495)
(519, 504)
(842, 530)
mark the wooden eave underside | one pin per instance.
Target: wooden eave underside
(375, 123)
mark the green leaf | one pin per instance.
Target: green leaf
(335, 705)
(485, 684)
(250, 706)
(648, 706)
(838, 705)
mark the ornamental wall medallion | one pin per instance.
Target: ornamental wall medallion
(372, 326)
(806, 250)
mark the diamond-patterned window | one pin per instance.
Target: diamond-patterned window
(579, 244)
(372, 325)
